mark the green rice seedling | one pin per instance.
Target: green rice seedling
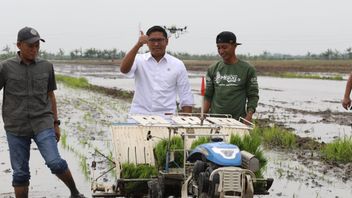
(84, 166)
(63, 139)
(88, 117)
(337, 77)
(139, 171)
(146, 171)
(298, 75)
(339, 151)
(308, 76)
(277, 137)
(82, 83)
(80, 128)
(280, 172)
(111, 164)
(199, 141)
(160, 150)
(72, 81)
(132, 171)
(251, 143)
(83, 141)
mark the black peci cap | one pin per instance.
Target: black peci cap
(227, 37)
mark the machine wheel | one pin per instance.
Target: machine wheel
(203, 181)
(154, 190)
(213, 186)
(203, 195)
(199, 167)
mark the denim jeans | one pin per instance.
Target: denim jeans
(19, 147)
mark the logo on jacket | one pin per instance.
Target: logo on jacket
(228, 78)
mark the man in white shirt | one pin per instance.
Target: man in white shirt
(159, 77)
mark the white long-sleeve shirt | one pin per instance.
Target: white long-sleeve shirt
(157, 85)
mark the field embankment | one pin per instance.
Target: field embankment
(89, 62)
(262, 66)
(279, 66)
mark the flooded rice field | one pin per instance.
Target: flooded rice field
(311, 107)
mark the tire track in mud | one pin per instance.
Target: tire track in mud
(327, 116)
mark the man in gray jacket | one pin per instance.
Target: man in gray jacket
(29, 112)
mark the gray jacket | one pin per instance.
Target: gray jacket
(26, 108)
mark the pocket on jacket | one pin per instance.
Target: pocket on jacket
(16, 85)
(40, 83)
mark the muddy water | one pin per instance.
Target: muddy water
(294, 177)
(87, 117)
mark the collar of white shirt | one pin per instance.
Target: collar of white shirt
(148, 56)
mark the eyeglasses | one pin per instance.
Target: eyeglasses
(156, 40)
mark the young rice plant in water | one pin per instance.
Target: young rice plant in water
(251, 143)
(276, 137)
(339, 150)
(73, 82)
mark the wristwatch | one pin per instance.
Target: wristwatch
(57, 122)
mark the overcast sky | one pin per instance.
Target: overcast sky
(278, 26)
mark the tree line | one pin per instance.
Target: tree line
(329, 54)
(111, 54)
(91, 53)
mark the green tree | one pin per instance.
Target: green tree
(349, 53)
(6, 49)
(328, 54)
(61, 53)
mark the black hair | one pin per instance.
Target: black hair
(157, 28)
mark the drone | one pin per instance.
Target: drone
(173, 30)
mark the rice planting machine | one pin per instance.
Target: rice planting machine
(213, 169)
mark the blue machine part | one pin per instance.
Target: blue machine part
(220, 153)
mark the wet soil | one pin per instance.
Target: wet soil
(327, 116)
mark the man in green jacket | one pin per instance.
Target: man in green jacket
(231, 84)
